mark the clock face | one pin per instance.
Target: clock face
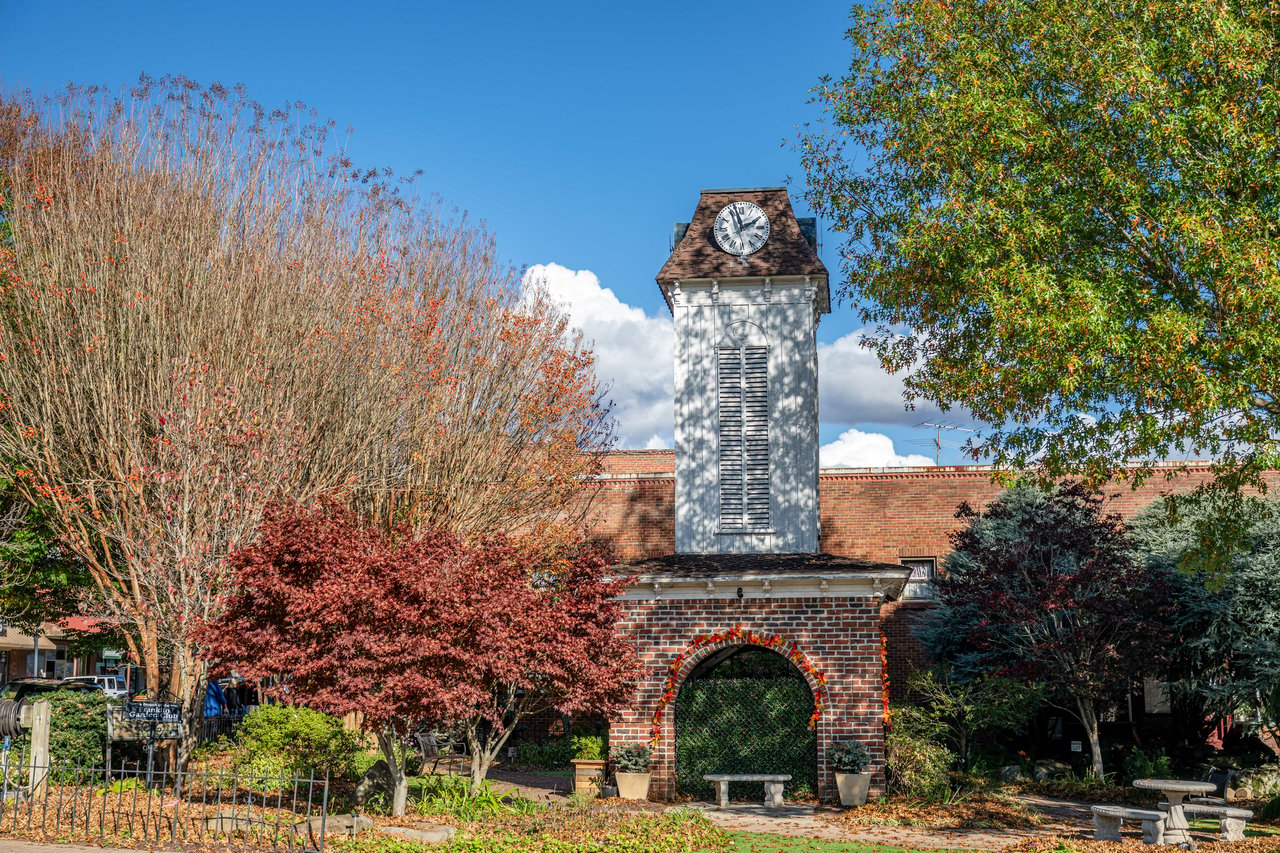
(741, 228)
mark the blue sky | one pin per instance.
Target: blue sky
(580, 132)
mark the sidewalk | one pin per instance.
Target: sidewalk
(13, 845)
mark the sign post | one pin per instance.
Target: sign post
(152, 713)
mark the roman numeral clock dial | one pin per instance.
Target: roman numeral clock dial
(741, 228)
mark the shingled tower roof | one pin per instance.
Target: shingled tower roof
(786, 253)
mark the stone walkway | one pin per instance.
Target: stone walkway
(1064, 817)
(803, 821)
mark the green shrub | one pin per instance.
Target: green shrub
(918, 762)
(848, 756)
(77, 726)
(1140, 764)
(276, 739)
(631, 757)
(451, 796)
(548, 755)
(1270, 811)
(588, 747)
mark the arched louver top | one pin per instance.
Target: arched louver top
(743, 373)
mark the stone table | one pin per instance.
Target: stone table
(1175, 828)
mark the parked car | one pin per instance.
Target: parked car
(21, 688)
(20, 691)
(112, 685)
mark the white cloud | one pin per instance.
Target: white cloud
(635, 356)
(854, 389)
(857, 449)
(635, 353)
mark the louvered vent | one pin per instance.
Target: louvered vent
(744, 438)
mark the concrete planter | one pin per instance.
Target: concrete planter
(588, 776)
(853, 788)
(633, 786)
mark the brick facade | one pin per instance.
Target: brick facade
(840, 637)
(883, 515)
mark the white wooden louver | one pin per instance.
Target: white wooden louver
(744, 438)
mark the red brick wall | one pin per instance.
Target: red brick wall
(635, 515)
(840, 637)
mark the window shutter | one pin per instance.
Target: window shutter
(744, 438)
(732, 500)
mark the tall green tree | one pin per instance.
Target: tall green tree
(1227, 657)
(1044, 588)
(1064, 218)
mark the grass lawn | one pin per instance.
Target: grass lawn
(760, 842)
(1251, 830)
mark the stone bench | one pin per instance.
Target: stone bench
(1231, 821)
(1107, 821)
(773, 783)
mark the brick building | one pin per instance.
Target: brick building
(727, 584)
(736, 541)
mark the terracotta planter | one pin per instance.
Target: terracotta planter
(588, 776)
(633, 786)
(853, 788)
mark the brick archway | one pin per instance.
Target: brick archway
(685, 662)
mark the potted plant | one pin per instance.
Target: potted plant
(588, 764)
(631, 770)
(849, 759)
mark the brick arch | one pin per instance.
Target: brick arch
(691, 659)
(662, 728)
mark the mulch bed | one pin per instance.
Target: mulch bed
(972, 812)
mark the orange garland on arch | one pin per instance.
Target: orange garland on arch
(787, 648)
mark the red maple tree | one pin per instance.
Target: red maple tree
(423, 630)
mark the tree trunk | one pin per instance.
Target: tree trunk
(400, 779)
(1089, 717)
(482, 755)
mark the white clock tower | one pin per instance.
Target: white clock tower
(746, 289)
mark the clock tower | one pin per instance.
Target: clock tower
(746, 289)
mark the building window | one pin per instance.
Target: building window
(920, 584)
(743, 374)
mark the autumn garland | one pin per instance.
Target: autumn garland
(884, 679)
(787, 648)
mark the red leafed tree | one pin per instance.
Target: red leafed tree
(411, 630)
(1046, 589)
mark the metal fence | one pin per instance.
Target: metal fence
(123, 806)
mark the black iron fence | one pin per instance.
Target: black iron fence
(126, 806)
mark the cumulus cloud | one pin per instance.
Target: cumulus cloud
(857, 449)
(854, 389)
(635, 353)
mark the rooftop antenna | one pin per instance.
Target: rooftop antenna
(937, 441)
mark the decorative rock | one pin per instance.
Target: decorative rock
(1048, 769)
(340, 824)
(376, 780)
(430, 833)
(1263, 782)
(1011, 773)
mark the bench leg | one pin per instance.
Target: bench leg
(1232, 829)
(722, 794)
(1153, 831)
(1106, 828)
(773, 793)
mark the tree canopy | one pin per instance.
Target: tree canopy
(208, 308)
(423, 630)
(1064, 218)
(1044, 588)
